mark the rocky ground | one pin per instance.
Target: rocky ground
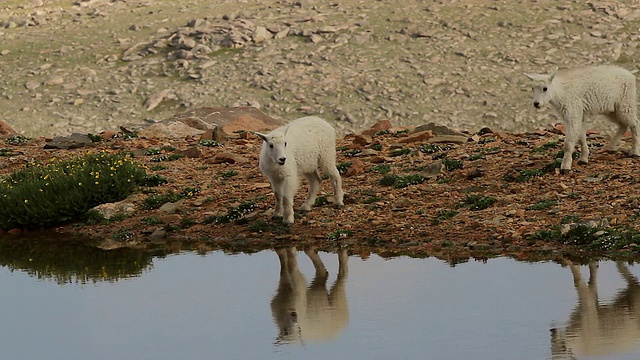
(92, 65)
(98, 65)
(420, 191)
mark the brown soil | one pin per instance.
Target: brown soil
(425, 219)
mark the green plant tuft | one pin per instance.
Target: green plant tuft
(156, 201)
(401, 181)
(16, 140)
(478, 202)
(228, 174)
(153, 151)
(233, 213)
(444, 215)
(451, 164)
(154, 180)
(263, 226)
(545, 147)
(400, 152)
(542, 205)
(321, 200)
(95, 138)
(382, 169)
(40, 196)
(343, 167)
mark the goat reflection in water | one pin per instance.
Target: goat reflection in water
(596, 329)
(309, 312)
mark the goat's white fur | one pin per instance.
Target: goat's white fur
(573, 93)
(298, 149)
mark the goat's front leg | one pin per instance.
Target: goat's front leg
(573, 123)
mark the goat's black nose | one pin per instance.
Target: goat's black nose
(536, 104)
(282, 160)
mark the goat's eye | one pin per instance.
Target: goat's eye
(544, 88)
(285, 144)
(271, 146)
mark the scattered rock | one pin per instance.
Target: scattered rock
(357, 167)
(229, 120)
(416, 137)
(434, 169)
(439, 130)
(174, 130)
(6, 130)
(171, 207)
(228, 158)
(192, 152)
(110, 210)
(453, 139)
(381, 125)
(155, 99)
(158, 236)
(74, 141)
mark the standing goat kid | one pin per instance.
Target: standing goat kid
(606, 89)
(298, 149)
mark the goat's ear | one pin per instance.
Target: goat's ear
(260, 135)
(531, 77)
(552, 76)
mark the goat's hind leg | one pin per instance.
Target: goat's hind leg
(584, 148)
(622, 120)
(314, 180)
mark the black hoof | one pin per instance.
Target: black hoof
(564, 171)
(580, 162)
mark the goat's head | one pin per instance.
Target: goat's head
(541, 89)
(275, 145)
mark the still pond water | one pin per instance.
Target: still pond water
(119, 305)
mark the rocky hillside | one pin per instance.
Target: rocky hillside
(92, 65)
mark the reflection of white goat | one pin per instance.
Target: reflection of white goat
(606, 89)
(298, 149)
(596, 329)
(311, 312)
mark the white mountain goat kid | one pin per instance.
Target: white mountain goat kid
(298, 149)
(606, 89)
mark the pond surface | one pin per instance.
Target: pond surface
(218, 306)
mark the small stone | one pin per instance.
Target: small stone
(362, 140)
(54, 80)
(171, 208)
(434, 169)
(416, 137)
(377, 127)
(170, 218)
(32, 85)
(315, 38)
(356, 168)
(157, 236)
(228, 158)
(192, 152)
(261, 34)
